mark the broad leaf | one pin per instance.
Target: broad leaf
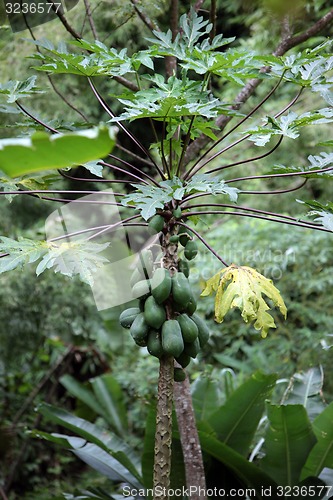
(15, 90)
(203, 183)
(250, 475)
(236, 422)
(243, 287)
(288, 442)
(21, 252)
(324, 212)
(306, 389)
(42, 151)
(105, 440)
(321, 455)
(74, 258)
(206, 395)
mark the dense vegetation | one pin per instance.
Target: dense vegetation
(57, 349)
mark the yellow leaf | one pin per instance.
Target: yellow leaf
(243, 287)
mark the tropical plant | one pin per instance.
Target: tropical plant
(180, 162)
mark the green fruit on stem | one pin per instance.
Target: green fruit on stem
(188, 327)
(191, 306)
(139, 330)
(128, 316)
(161, 285)
(156, 224)
(141, 289)
(184, 359)
(154, 313)
(136, 276)
(179, 375)
(181, 291)
(154, 344)
(146, 263)
(203, 330)
(174, 238)
(191, 250)
(183, 267)
(184, 239)
(192, 349)
(177, 213)
(172, 340)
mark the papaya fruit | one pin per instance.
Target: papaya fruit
(192, 348)
(181, 290)
(156, 224)
(184, 359)
(154, 344)
(183, 267)
(203, 330)
(184, 238)
(191, 306)
(191, 250)
(161, 285)
(188, 327)
(135, 277)
(179, 375)
(154, 313)
(141, 289)
(128, 316)
(146, 263)
(172, 340)
(139, 330)
(174, 238)
(177, 213)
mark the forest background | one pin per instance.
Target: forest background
(50, 328)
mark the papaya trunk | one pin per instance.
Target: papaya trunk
(163, 435)
(194, 468)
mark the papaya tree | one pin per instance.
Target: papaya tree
(174, 90)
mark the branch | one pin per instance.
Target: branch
(272, 176)
(90, 19)
(151, 25)
(285, 44)
(255, 216)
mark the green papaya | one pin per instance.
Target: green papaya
(156, 224)
(136, 276)
(177, 213)
(146, 263)
(179, 375)
(184, 359)
(154, 344)
(191, 306)
(183, 267)
(174, 238)
(203, 329)
(181, 290)
(191, 250)
(188, 327)
(141, 289)
(172, 340)
(184, 238)
(161, 285)
(154, 313)
(128, 316)
(192, 348)
(139, 330)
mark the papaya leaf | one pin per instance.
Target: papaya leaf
(20, 252)
(321, 455)
(15, 90)
(289, 440)
(74, 257)
(42, 151)
(243, 287)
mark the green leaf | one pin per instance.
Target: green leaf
(104, 440)
(288, 442)
(250, 475)
(21, 252)
(203, 183)
(325, 214)
(94, 168)
(109, 395)
(206, 395)
(236, 422)
(15, 90)
(306, 389)
(321, 455)
(243, 287)
(74, 257)
(42, 151)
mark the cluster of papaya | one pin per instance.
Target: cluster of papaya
(180, 337)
